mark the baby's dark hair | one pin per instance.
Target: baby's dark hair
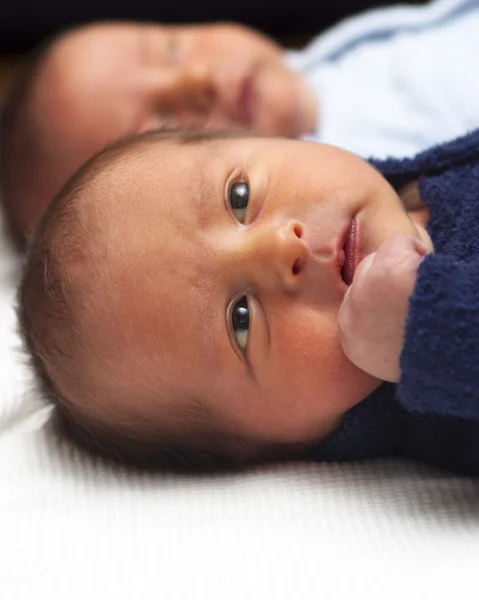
(50, 327)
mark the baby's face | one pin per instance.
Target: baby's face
(221, 265)
(105, 81)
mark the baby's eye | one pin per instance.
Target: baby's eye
(238, 198)
(240, 322)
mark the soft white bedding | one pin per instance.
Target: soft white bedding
(73, 529)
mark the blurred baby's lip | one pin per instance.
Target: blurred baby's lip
(246, 99)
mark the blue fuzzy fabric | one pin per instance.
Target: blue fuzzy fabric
(432, 414)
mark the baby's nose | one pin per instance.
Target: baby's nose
(190, 87)
(281, 253)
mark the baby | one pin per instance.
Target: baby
(383, 83)
(203, 300)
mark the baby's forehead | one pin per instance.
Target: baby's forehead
(165, 177)
(146, 206)
(152, 184)
(195, 154)
(163, 174)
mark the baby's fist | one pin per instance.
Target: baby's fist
(373, 313)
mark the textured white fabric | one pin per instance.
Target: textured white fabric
(73, 529)
(396, 80)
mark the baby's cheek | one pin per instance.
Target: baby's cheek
(307, 382)
(303, 353)
(327, 380)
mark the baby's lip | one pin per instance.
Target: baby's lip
(348, 252)
(246, 99)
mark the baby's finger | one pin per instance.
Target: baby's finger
(355, 301)
(382, 264)
(425, 237)
(397, 246)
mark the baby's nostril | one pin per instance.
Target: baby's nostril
(297, 267)
(298, 230)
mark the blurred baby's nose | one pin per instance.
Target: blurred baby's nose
(186, 88)
(198, 88)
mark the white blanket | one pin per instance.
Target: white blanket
(72, 529)
(396, 80)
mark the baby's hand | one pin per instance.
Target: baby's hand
(373, 313)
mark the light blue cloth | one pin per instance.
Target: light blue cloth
(395, 81)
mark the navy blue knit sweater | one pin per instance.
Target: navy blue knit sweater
(432, 414)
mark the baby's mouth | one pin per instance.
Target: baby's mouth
(348, 256)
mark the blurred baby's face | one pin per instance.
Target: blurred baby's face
(224, 270)
(114, 79)
(102, 82)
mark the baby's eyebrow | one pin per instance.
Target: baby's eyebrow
(204, 204)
